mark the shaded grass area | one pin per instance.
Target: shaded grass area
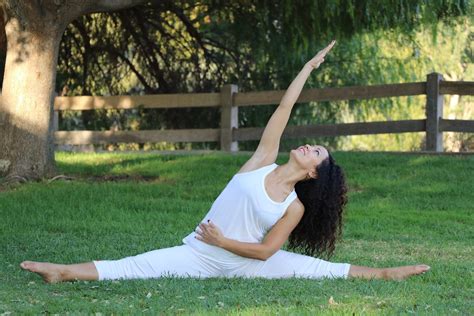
(403, 209)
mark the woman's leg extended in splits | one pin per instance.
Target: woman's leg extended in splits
(285, 264)
(53, 273)
(181, 261)
(394, 273)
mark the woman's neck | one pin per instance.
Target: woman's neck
(287, 176)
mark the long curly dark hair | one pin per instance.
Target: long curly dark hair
(324, 199)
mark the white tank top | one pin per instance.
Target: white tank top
(243, 211)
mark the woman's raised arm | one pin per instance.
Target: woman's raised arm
(268, 147)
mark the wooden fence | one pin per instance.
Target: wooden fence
(229, 100)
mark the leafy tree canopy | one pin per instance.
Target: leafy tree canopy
(187, 46)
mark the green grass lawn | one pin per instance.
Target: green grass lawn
(403, 210)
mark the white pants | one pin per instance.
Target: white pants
(185, 261)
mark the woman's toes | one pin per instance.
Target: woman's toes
(49, 272)
(423, 268)
(28, 265)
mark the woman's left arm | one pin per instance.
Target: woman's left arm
(272, 242)
(270, 140)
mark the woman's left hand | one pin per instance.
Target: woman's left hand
(210, 234)
(319, 58)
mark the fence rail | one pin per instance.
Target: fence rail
(229, 100)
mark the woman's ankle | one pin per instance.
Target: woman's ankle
(65, 273)
(384, 273)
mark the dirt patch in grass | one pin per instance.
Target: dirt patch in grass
(120, 178)
(107, 178)
(12, 185)
(3, 188)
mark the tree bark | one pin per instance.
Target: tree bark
(34, 30)
(26, 112)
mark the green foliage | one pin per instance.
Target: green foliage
(403, 209)
(173, 47)
(380, 57)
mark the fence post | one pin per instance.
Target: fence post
(229, 117)
(434, 111)
(3, 115)
(55, 126)
(56, 121)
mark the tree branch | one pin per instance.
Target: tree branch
(115, 52)
(110, 5)
(94, 6)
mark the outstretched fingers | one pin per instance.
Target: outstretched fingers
(327, 49)
(319, 58)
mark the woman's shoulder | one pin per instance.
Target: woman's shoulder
(251, 166)
(257, 161)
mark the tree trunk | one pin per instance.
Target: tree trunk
(34, 30)
(26, 112)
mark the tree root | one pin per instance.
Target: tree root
(14, 179)
(62, 177)
(11, 181)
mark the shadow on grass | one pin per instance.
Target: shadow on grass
(106, 163)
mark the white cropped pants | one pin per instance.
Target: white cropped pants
(185, 261)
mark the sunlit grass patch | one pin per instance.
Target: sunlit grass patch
(403, 209)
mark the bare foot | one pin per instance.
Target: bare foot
(401, 273)
(50, 272)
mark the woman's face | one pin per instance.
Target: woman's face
(309, 156)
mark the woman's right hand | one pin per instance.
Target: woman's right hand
(319, 58)
(210, 234)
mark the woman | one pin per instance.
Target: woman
(261, 207)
